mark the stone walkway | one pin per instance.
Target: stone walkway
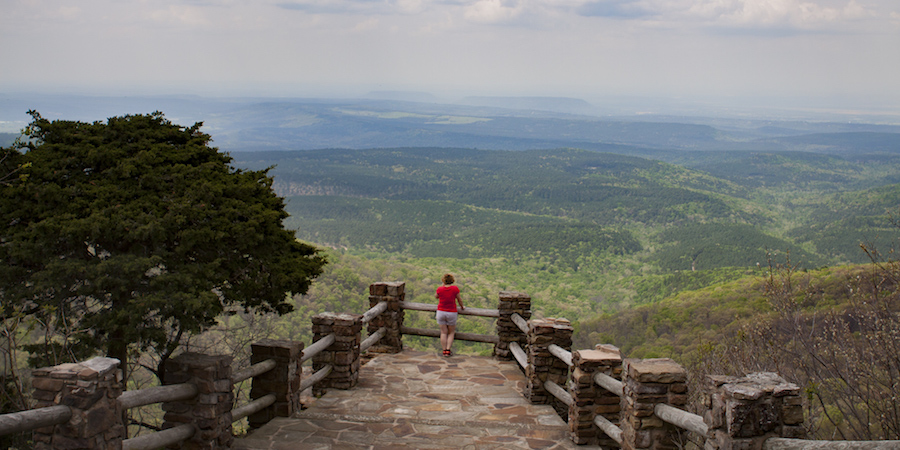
(420, 400)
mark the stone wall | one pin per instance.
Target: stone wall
(592, 400)
(210, 410)
(543, 366)
(511, 303)
(283, 380)
(743, 412)
(391, 319)
(90, 390)
(648, 382)
(343, 355)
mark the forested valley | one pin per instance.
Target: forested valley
(719, 262)
(720, 259)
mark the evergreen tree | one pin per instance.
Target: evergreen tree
(133, 233)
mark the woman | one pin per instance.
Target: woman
(448, 297)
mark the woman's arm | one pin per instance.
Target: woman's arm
(459, 300)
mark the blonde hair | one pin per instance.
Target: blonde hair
(448, 279)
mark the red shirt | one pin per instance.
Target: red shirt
(447, 297)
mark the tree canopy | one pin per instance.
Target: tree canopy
(133, 232)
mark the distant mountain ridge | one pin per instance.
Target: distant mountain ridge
(556, 104)
(391, 119)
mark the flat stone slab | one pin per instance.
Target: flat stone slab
(420, 400)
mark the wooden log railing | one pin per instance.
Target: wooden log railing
(472, 337)
(558, 392)
(666, 413)
(317, 347)
(374, 312)
(372, 340)
(307, 382)
(519, 355)
(561, 353)
(157, 394)
(681, 418)
(55, 415)
(553, 388)
(369, 315)
(520, 322)
(254, 370)
(185, 391)
(470, 311)
(18, 422)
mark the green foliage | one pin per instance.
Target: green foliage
(593, 187)
(136, 231)
(423, 228)
(716, 245)
(840, 223)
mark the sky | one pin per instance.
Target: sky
(839, 53)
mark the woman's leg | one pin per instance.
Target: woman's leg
(445, 331)
(451, 333)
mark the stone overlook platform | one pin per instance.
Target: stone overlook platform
(420, 400)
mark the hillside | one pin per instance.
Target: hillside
(460, 202)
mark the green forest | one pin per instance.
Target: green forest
(728, 262)
(593, 237)
(677, 253)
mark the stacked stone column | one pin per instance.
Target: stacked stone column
(90, 390)
(210, 410)
(511, 303)
(590, 399)
(543, 366)
(391, 319)
(647, 383)
(343, 355)
(742, 413)
(283, 380)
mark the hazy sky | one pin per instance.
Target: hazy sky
(836, 50)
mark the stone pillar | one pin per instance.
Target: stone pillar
(543, 366)
(391, 318)
(210, 410)
(283, 380)
(590, 399)
(648, 382)
(343, 355)
(742, 413)
(90, 390)
(511, 302)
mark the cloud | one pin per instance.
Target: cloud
(191, 16)
(352, 7)
(799, 15)
(622, 9)
(492, 11)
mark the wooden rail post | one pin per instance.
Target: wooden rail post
(648, 382)
(90, 390)
(283, 380)
(210, 410)
(744, 412)
(391, 320)
(592, 400)
(343, 354)
(511, 303)
(544, 366)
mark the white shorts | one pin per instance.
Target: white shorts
(446, 318)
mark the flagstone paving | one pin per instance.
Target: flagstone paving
(421, 400)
